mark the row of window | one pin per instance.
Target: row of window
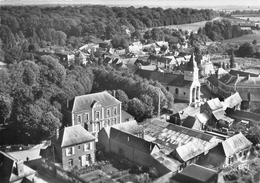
(84, 160)
(86, 147)
(97, 115)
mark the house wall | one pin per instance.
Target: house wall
(78, 152)
(103, 139)
(94, 125)
(131, 153)
(183, 93)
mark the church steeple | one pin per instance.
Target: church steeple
(192, 74)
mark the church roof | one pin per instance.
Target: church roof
(180, 82)
(190, 65)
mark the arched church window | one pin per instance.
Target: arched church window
(177, 91)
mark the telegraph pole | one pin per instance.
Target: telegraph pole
(159, 105)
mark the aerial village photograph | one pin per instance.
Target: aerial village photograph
(130, 91)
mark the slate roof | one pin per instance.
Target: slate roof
(232, 100)
(84, 102)
(196, 174)
(179, 81)
(131, 140)
(189, 122)
(214, 104)
(242, 73)
(8, 169)
(235, 144)
(190, 64)
(213, 80)
(73, 135)
(228, 79)
(126, 116)
(252, 81)
(161, 77)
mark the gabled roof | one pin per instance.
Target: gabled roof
(228, 79)
(196, 174)
(189, 122)
(73, 135)
(161, 77)
(159, 59)
(235, 144)
(233, 100)
(179, 81)
(85, 102)
(213, 80)
(202, 117)
(131, 127)
(219, 114)
(132, 141)
(242, 73)
(214, 104)
(126, 116)
(8, 169)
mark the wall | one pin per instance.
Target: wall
(183, 93)
(103, 139)
(77, 153)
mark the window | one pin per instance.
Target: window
(114, 110)
(177, 91)
(78, 147)
(70, 162)
(115, 121)
(88, 146)
(108, 122)
(70, 151)
(108, 112)
(79, 118)
(97, 115)
(86, 117)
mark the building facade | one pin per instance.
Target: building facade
(73, 147)
(93, 111)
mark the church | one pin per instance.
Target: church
(186, 87)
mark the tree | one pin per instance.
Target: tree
(246, 50)
(121, 96)
(232, 59)
(136, 108)
(5, 107)
(254, 134)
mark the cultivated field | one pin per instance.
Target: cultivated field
(246, 38)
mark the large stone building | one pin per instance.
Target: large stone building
(93, 111)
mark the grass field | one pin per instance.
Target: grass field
(246, 38)
(192, 26)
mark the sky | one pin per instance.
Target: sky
(215, 4)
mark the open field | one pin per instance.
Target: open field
(246, 38)
(191, 26)
(251, 17)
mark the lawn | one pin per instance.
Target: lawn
(246, 38)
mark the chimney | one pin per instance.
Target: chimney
(57, 133)
(248, 77)
(114, 93)
(67, 103)
(20, 168)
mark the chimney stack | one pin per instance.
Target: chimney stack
(57, 133)
(248, 76)
(20, 168)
